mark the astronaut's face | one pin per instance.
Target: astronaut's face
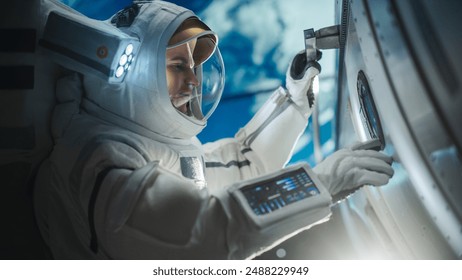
(181, 79)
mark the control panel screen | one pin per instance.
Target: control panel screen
(271, 195)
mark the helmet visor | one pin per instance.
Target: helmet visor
(195, 75)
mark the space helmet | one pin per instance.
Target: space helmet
(146, 100)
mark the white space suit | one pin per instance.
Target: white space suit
(128, 179)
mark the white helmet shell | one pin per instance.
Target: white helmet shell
(142, 101)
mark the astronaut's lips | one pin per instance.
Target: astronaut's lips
(181, 100)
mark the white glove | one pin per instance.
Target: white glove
(348, 169)
(299, 79)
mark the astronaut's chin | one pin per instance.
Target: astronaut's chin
(183, 108)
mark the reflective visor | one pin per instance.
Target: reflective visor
(205, 44)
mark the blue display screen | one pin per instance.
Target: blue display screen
(271, 195)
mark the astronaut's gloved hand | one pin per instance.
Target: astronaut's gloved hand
(299, 80)
(348, 169)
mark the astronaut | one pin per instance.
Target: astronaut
(127, 177)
